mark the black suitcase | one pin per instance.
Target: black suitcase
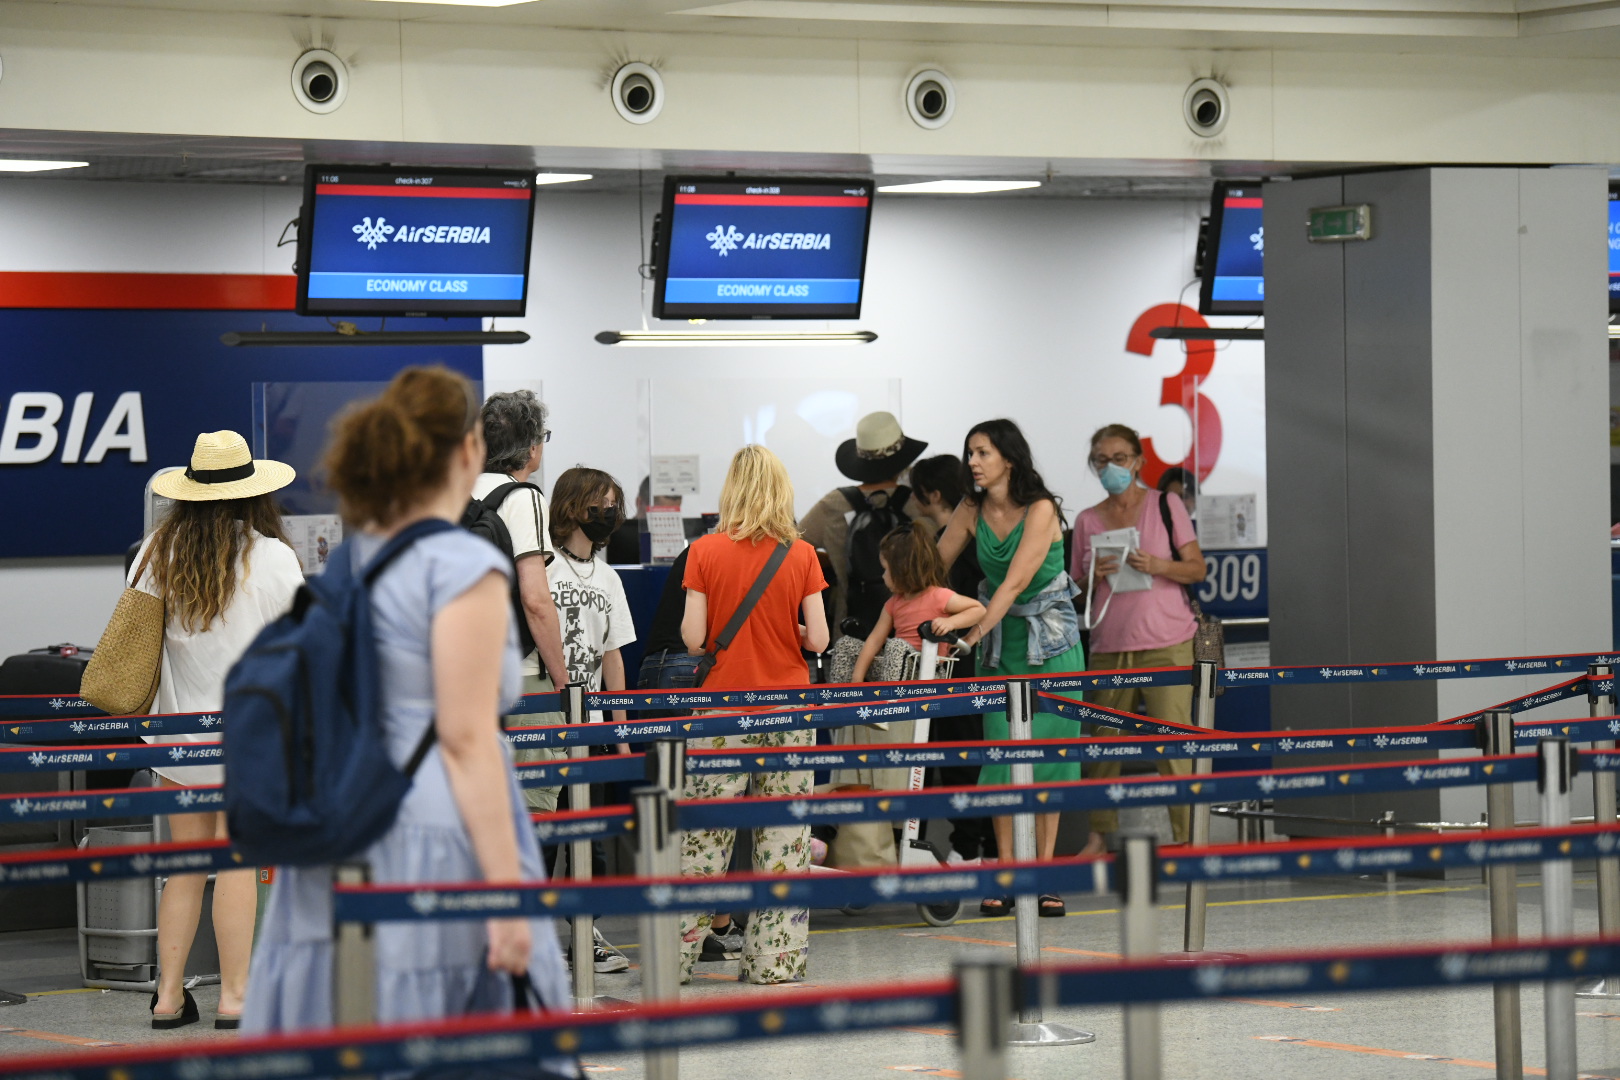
(58, 669)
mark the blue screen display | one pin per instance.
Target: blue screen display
(1614, 249)
(1240, 250)
(763, 248)
(383, 242)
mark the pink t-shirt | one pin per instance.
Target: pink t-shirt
(1155, 618)
(910, 614)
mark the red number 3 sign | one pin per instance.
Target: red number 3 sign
(1181, 389)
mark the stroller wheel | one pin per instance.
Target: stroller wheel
(941, 914)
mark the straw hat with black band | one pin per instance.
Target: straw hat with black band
(222, 467)
(879, 451)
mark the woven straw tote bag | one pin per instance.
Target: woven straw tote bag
(121, 678)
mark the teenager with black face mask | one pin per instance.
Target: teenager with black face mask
(586, 506)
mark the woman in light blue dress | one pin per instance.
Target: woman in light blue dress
(448, 657)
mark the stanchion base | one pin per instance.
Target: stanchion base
(1606, 987)
(1048, 1034)
(9, 998)
(1201, 957)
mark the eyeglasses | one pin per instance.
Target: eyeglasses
(1122, 459)
(545, 435)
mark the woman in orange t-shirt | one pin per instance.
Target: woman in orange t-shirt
(756, 516)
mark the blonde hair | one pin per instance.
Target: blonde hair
(756, 501)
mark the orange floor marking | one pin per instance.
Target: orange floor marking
(1280, 1004)
(51, 1036)
(1406, 1055)
(949, 1033)
(926, 1070)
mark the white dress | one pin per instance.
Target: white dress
(195, 663)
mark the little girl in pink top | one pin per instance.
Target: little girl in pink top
(915, 575)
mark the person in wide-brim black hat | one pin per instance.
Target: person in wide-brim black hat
(879, 451)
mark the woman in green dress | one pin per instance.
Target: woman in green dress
(1030, 627)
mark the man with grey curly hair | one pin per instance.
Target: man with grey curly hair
(514, 434)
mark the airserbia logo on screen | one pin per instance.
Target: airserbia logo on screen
(727, 238)
(380, 233)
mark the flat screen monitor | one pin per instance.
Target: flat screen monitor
(1234, 278)
(403, 241)
(761, 248)
(1614, 249)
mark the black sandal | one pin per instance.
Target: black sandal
(996, 906)
(1047, 908)
(187, 1015)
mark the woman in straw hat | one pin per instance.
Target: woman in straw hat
(224, 570)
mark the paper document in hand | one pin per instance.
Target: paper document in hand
(1116, 544)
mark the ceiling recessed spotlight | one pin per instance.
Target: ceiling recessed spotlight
(560, 177)
(18, 165)
(959, 187)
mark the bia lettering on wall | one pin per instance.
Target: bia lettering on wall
(36, 417)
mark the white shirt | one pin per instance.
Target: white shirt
(594, 613)
(528, 521)
(195, 662)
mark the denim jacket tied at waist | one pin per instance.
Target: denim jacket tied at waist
(1054, 628)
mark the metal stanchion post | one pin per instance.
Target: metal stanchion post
(986, 987)
(1603, 812)
(1555, 769)
(354, 960)
(1496, 727)
(1196, 914)
(1139, 937)
(660, 956)
(581, 934)
(1030, 1029)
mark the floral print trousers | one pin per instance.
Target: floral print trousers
(776, 944)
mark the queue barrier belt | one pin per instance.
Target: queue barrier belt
(631, 896)
(490, 1040)
(1217, 745)
(72, 706)
(979, 801)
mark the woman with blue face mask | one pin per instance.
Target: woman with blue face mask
(1141, 628)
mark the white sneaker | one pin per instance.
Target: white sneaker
(608, 959)
(955, 859)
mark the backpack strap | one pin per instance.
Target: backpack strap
(394, 548)
(740, 616)
(396, 545)
(1175, 554)
(855, 497)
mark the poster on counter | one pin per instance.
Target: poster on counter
(675, 474)
(1227, 521)
(314, 537)
(667, 533)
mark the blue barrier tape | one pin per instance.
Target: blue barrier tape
(705, 727)
(1405, 854)
(67, 758)
(583, 824)
(626, 896)
(107, 864)
(1114, 718)
(56, 731)
(1570, 664)
(1574, 688)
(127, 802)
(464, 1045)
(1319, 972)
(1100, 794)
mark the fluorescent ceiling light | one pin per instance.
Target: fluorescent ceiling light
(733, 337)
(17, 165)
(959, 187)
(560, 177)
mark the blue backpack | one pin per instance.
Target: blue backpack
(310, 780)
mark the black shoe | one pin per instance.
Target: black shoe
(727, 945)
(227, 1023)
(187, 1015)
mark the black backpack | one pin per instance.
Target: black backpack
(864, 591)
(482, 519)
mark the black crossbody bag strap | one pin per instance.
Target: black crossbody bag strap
(1175, 554)
(729, 632)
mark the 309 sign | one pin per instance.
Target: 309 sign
(1234, 583)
